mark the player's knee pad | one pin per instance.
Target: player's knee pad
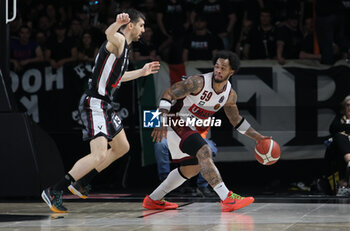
(190, 161)
(192, 144)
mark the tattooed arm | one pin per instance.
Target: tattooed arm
(179, 90)
(232, 113)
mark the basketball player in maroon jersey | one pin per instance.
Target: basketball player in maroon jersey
(102, 126)
(199, 97)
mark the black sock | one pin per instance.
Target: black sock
(64, 182)
(85, 180)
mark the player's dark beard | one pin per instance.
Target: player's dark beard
(219, 81)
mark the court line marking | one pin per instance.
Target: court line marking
(300, 219)
(164, 210)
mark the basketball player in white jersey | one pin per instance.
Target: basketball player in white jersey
(199, 97)
(101, 123)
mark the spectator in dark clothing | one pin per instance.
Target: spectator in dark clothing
(172, 17)
(307, 43)
(75, 31)
(51, 15)
(60, 49)
(281, 9)
(87, 49)
(261, 41)
(201, 44)
(15, 25)
(63, 13)
(252, 9)
(173, 21)
(24, 51)
(220, 18)
(27, 9)
(44, 26)
(97, 35)
(248, 11)
(149, 9)
(146, 48)
(243, 38)
(329, 27)
(288, 40)
(339, 150)
(83, 17)
(41, 38)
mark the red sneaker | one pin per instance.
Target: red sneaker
(150, 204)
(234, 202)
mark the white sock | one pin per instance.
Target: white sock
(174, 180)
(221, 190)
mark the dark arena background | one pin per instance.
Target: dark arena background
(294, 73)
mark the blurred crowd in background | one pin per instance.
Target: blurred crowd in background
(61, 31)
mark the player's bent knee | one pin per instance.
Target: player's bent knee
(100, 157)
(126, 147)
(190, 171)
(122, 149)
(204, 153)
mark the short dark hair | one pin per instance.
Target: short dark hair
(134, 16)
(232, 57)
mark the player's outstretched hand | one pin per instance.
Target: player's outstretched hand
(159, 133)
(122, 18)
(151, 68)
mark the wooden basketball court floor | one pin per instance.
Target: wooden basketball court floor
(126, 213)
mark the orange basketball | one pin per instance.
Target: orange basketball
(267, 151)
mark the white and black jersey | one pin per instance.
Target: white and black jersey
(107, 73)
(96, 111)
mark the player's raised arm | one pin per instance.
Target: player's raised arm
(239, 122)
(113, 37)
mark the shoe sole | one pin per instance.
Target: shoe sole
(48, 202)
(152, 208)
(76, 192)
